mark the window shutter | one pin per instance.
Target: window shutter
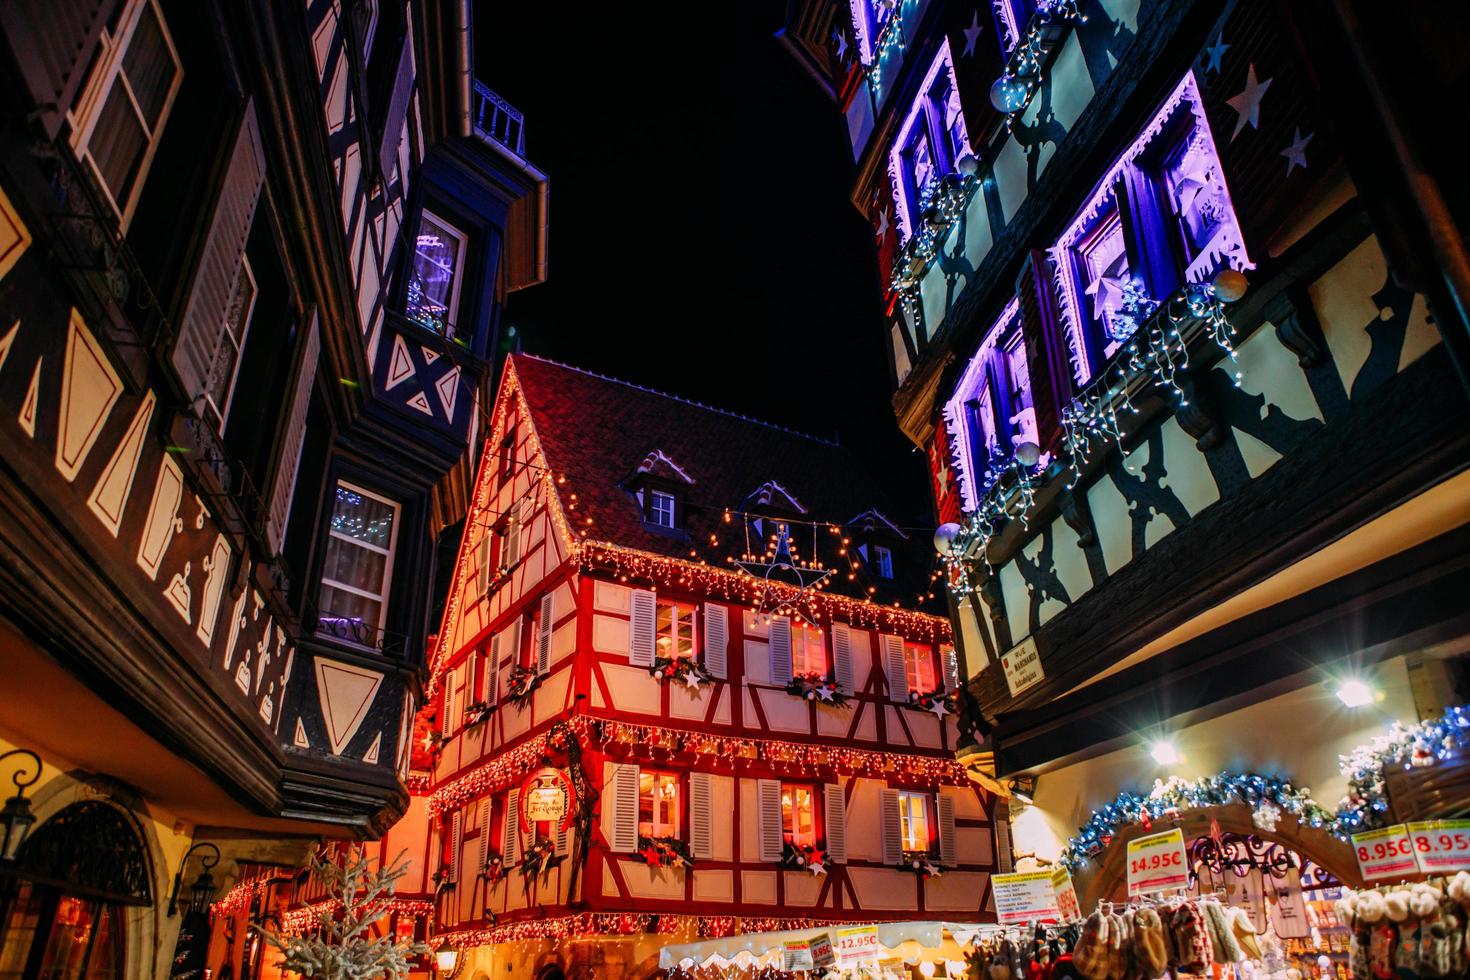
(835, 822)
(1002, 827)
(895, 668)
(716, 640)
(624, 809)
(563, 840)
(511, 852)
(203, 323)
(1048, 359)
(543, 636)
(701, 815)
(944, 806)
(842, 658)
(951, 661)
(457, 845)
(484, 833)
(492, 672)
(446, 725)
(892, 833)
(53, 44)
(283, 490)
(641, 628)
(513, 538)
(768, 816)
(780, 641)
(487, 541)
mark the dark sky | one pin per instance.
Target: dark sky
(701, 239)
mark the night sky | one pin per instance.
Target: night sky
(701, 238)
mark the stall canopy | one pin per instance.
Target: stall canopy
(891, 935)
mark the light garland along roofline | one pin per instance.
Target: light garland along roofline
(592, 924)
(298, 920)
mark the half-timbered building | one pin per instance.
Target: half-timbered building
(252, 257)
(1171, 313)
(636, 737)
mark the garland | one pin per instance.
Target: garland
(590, 924)
(477, 713)
(309, 917)
(807, 856)
(815, 687)
(494, 868)
(937, 701)
(1267, 795)
(523, 681)
(918, 863)
(1411, 746)
(539, 858)
(668, 670)
(663, 852)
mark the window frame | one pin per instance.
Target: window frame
(451, 305)
(657, 495)
(911, 651)
(925, 802)
(222, 412)
(85, 113)
(696, 653)
(806, 632)
(927, 119)
(390, 554)
(978, 426)
(654, 824)
(789, 834)
(883, 561)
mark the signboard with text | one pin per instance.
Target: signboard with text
(1023, 897)
(1022, 666)
(1385, 853)
(1156, 863)
(856, 945)
(1441, 846)
(1068, 908)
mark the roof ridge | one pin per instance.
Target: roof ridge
(679, 398)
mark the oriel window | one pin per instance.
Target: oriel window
(434, 278)
(358, 571)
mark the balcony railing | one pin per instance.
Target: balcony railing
(498, 120)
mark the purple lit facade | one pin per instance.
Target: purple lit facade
(930, 141)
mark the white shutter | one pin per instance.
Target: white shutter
(624, 809)
(892, 831)
(283, 491)
(563, 840)
(487, 543)
(780, 641)
(514, 629)
(202, 326)
(701, 815)
(512, 547)
(446, 724)
(895, 668)
(944, 806)
(641, 628)
(484, 834)
(543, 636)
(768, 818)
(842, 658)
(456, 846)
(836, 822)
(716, 640)
(511, 851)
(951, 661)
(492, 672)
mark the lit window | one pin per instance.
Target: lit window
(919, 664)
(1011, 17)
(224, 365)
(358, 569)
(808, 653)
(1113, 295)
(433, 282)
(991, 409)
(913, 821)
(798, 815)
(1021, 414)
(661, 508)
(121, 113)
(658, 804)
(675, 630)
(930, 141)
(883, 559)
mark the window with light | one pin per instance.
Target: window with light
(913, 821)
(358, 569)
(658, 804)
(434, 278)
(808, 650)
(1021, 417)
(883, 559)
(674, 628)
(930, 141)
(919, 665)
(799, 814)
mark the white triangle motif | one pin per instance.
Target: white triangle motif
(300, 740)
(400, 365)
(448, 389)
(110, 495)
(421, 403)
(345, 692)
(371, 755)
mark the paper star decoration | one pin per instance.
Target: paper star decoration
(825, 692)
(1107, 294)
(816, 868)
(692, 680)
(1296, 153)
(931, 870)
(882, 223)
(972, 34)
(1216, 52)
(939, 708)
(841, 41)
(1247, 104)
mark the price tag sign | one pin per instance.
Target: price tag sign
(1441, 846)
(1156, 863)
(856, 945)
(797, 955)
(1026, 896)
(821, 950)
(1068, 908)
(1385, 853)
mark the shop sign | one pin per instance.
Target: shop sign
(1025, 896)
(822, 954)
(1156, 863)
(1441, 846)
(1022, 664)
(856, 945)
(1385, 853)
(797, 955)
(1068, 908)
(546, 797)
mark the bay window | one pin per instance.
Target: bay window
(808, 650)
(358, 570)
(913, 822)
(658, 804)
(799, 814)
(674, 629)
(435, 274)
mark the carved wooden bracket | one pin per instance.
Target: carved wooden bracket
(1198, 414)
(1077, 512)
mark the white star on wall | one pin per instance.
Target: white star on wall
(972, 34)
(1248, 103)
(841, 40)
(1296, 153)
(882, 223)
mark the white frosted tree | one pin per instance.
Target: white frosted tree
(342, 946)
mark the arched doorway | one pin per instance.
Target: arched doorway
(62, 907)
(551, 971)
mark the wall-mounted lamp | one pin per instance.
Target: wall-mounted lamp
(16, 818)
(202, 891)
(446, 959)
(1023, 788)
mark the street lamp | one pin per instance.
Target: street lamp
(16, 818)
(203, 888)
(446, 958)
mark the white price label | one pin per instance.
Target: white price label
(1156, 863)
(1026, 896)
(855, 945)
(1385, 853)
(1068, 909)
(1441, 846)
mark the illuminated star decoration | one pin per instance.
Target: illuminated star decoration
(781, 568)
(1217, 51)
(1296, 153)
(882, 223)
(693, 679)
(1107, 293)
(1248, 103)
(825, 692)
(972, 34)
(840, 40)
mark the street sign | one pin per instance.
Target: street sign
(1022, 665)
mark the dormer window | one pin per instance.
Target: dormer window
(434, 278)
(661, 508)
(883, 561)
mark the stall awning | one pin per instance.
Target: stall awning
(928, 935)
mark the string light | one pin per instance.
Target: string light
(308, 917)
(591, 924)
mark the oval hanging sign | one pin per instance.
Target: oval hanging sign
(546, 797)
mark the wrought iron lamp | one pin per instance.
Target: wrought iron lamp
(16, 818)
(446, 959)
(203, 888)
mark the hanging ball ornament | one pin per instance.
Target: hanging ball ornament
(1029, 453)
(1008, 94)
(967, 165)
(1231, 285)
(945, 536)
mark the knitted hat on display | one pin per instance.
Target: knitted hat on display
(1222, 937)
(1191, 939)
(1150, 948)
(1090, 955)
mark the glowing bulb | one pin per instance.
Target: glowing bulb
(1164, 753)
(1356, 693)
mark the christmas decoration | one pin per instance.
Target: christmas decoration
(816, 687)
(1266, 816)
(299, 921)
(538, 859)
(522, 682)
(937, 701)
(1022, 73)
(1247, 104)
(679, 670)
(808, 857)
(1169, 798)
(477, 713)
(1426, 743)
(794, 580)
(339, 947)
(1296, 151)
(663, 852)
(594, 924)
(494, 869)
(919, 863)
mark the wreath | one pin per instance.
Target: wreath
(919, 863)
(669, 670)
(494, 869)
(523, 680)
(804, 856)
(539, 858)
(936, 701)
(477, 713)
(816, 687)
(663, 852)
